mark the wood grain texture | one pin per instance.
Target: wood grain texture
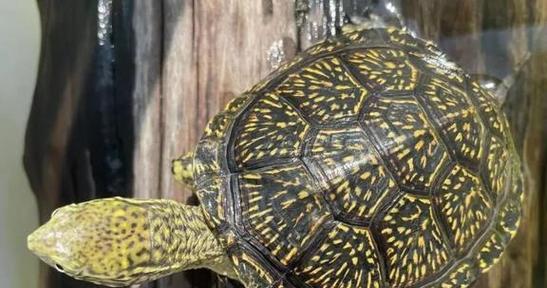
(210, 54)
(147, 98)
(100, 127)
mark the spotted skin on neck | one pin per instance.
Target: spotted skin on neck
(120, 242)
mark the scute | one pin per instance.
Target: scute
(272, 129)
(510, 211)
(210, 153)
(406, 140)
(217, 126)
(326, 46)
(347, 257)
(357, 189)
(452, 113)
(413, 240)
(437, 65)
(249, 268)
(404, 39)
(207, 160)
(366, 37)
(463, 275)
(281, 208)
(490, 252)
(324, 92)
(465, 206)
(213, 198)
(384, 68)
(235, 105)
(494, 164)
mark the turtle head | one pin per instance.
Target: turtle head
(104, 241)
(120, 242)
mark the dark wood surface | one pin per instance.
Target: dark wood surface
(124, 89)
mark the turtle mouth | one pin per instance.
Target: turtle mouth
(36, 246)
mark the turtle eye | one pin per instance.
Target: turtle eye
(59, 268)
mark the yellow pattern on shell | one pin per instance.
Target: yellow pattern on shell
(387, 68)
(465, 205)
(402, 128)
(326, 267)
(358, 187)
(282, 209)
(324, 91)
(272, 129)
(414, 243)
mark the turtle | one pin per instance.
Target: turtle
(368, 160)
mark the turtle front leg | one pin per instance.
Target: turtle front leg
(182, 169)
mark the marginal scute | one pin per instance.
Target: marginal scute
(216, 128)
(358, 188)
(462, 276)
(406, 140)
(438, 66)
(384, 69)
(509, 218)
(326, 46)
(490, 252)
(404, 39)
(413, 241)
(250, 270)
(212, 197)
(207, 160)
(456, 118)
(236, 104)
(510, 212)
(346, 258)
(282, 283)
(465, 206)
(362, 37)
(281, 208)
(271, 130)
(324, 92)
(289, 63)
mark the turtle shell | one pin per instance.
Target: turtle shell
(367, 161)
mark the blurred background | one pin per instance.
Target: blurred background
(113, 90)
(19, 51)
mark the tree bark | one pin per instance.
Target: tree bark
(126, 86)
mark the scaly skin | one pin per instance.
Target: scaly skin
(119, 242)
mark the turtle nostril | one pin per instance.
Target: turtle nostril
(59, 267)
